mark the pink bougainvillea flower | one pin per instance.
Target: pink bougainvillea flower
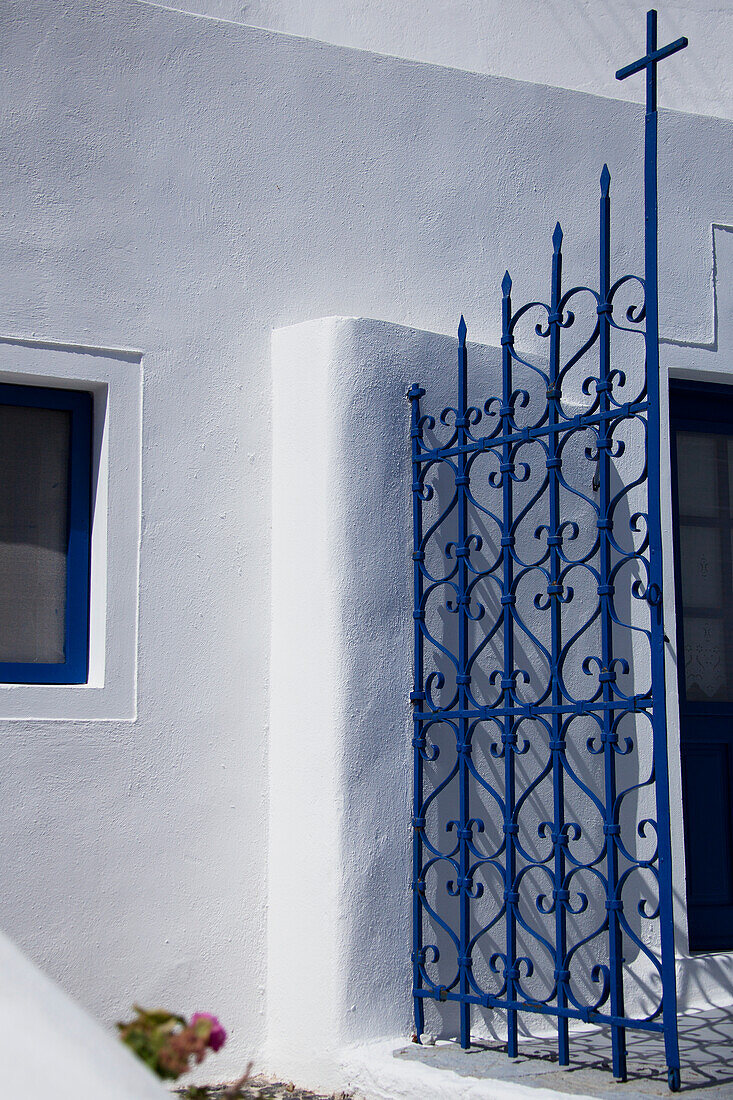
(217, 1034)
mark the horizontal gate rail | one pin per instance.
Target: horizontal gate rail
(489, 442)
(584, 1015)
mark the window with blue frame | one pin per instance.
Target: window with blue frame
(45, 530)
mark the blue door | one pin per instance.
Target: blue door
(702, 460)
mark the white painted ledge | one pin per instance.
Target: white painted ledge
(50, 1047)
(375, 1072)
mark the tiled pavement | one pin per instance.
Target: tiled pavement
(706, 1054)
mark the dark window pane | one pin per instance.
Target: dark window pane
(705, 659)
(697, 473)
(701, 566)
(34, 464)
(707, 802)
(705, 495)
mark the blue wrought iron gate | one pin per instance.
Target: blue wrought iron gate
(542, 863)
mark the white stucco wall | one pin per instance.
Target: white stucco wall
(182, 186)
(340, 675)
(575, 44)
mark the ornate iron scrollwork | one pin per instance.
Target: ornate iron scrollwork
(541, 860)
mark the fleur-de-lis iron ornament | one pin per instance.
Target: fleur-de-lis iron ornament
(542, 875)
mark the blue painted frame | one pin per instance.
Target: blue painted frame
(75, 668)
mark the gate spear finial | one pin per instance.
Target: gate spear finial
(605, 181)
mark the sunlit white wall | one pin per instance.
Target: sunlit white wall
(575, 44)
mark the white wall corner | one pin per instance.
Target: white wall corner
(340, 781)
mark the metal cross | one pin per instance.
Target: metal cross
(650, 61)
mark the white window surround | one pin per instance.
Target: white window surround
(114, 377)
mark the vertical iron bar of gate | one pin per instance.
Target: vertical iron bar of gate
(649, 64)
(417, 695)
(511, 895)
(555, 591)
(659, 702)
(462, 681)
(609, 738)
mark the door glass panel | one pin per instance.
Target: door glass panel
(705, 666)
(729, 441)
(34, 458)
(705, 506)
(697, 472)
(700, 566)
(705, 790)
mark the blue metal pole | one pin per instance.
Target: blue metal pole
(554, 591)
(511, 895)
(659, 712)
(463, 679)
(418, 694)
(654, 590)
(611, 826)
